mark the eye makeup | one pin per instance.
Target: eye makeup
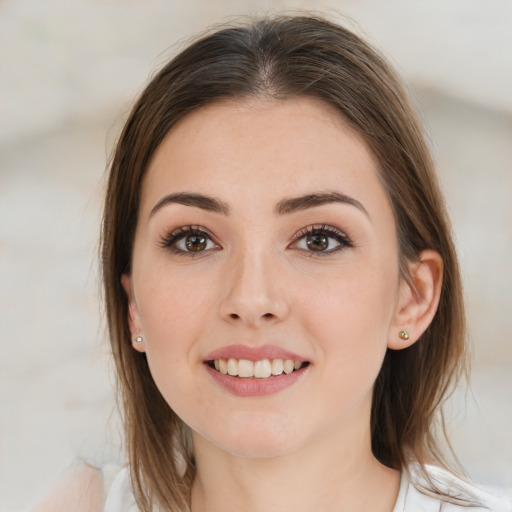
(318, 239)
(188, 241)
(314, 240)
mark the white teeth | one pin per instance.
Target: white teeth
(262, 369)
(232, 367)
(245, 368)
(277, 367)
(288, 366)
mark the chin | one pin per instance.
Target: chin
(251, 441)
(261, 449)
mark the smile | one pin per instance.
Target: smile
(253, 370)
(261, 369)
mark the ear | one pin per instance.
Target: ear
(418, 299)
(133, 314)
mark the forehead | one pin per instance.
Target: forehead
(263, 148)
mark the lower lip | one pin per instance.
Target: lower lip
(256, 387)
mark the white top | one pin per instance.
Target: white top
(120, 496)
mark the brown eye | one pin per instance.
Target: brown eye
(321, 240)
(189, 240)
(317, 242)
(196, 243)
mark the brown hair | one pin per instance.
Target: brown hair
(280, 58)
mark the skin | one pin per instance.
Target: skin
(258, 283)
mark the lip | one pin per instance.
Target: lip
(256, 387)
(239, 351)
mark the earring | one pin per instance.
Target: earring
(138, 339)
(403, 334)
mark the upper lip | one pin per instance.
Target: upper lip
(251, 353)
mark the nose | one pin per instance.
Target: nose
(254, 291)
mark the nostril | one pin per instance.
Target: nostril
(234, 316)
(268, 315)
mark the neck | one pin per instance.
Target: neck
(327, 475)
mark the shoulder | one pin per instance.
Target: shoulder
(423, 492)
(119, 493)
(79, 489)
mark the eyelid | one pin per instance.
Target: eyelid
(168, 240)
(340, 236)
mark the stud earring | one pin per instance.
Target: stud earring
(139, 339)
(403, 334)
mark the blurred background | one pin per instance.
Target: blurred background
(69, 72)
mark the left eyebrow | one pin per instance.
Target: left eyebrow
(307, 201)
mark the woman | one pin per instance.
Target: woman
(283, 295)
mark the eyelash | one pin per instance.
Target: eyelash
(169, 241)
(325, 230)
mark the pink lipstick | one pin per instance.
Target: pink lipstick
(255, 371)
(238, 351)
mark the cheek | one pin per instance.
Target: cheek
(174, 313)
(348, 317)
(172, 305)
(355, 302)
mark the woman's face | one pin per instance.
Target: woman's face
(264, 239)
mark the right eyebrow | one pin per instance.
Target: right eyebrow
(202, 201)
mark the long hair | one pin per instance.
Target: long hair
(280, 58)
